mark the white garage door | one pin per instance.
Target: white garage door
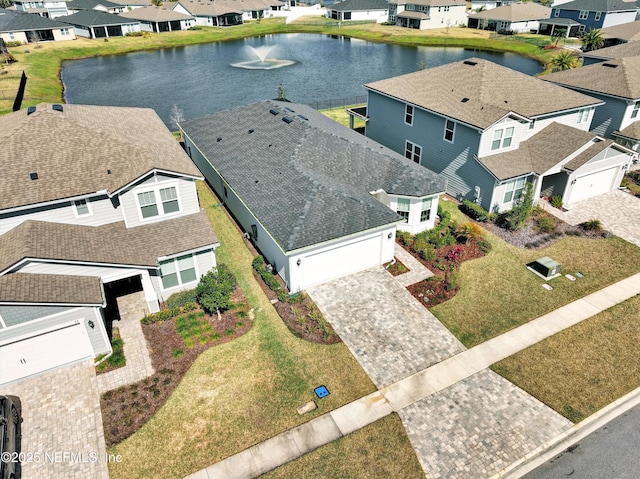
(341, 261)
(593, 184)
(46, 351)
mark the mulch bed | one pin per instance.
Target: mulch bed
(397, 268)
(128, 408)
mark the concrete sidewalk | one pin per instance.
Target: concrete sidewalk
(292, 444)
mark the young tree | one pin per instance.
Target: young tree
(565, 60)
(592, 40)
(557, 34)
(519, 214)
(214, 290)
(176, 116)
(282, 93)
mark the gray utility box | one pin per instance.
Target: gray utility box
(545, 267)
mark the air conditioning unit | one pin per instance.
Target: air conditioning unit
(545, 267)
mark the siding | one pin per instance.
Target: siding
(14, 315)
(554, 184)
(104, 272)
(608, 117)
(204, 261)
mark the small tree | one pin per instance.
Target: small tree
(519, 214)
(592, 40)
(156, 3)
(282, 93)
(176, 116)
(557, 34)
(214, 290)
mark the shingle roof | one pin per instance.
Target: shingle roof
(599, 5)
(113, 243)
(359, 5)
(307, 181)
(617, 51)
(408, 14)
(51, 289)
(492, 92)
(92, 18)
(155, 14)
(14, 21)
(625, 31)
(632, 132)
(133, 2)
(432, 3)
(248, 5)
(615, 77)
(515, 12)
(73, 151)
(90, 4)
(212, 9)
(544, 150)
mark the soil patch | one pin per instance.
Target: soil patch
(397, 268)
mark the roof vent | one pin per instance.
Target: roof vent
(287, 119)
(219, 139)
(31, 109)
(57, 107)
(464, 100)
(469, 62)
(33, 176)
(610, 65)
(273, 111)
(251, 130)
(302, 117)
(108, 172)
(288, 109)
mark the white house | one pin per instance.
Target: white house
(318, 200)
(97, 202)
(210, 14)
(160, 19)
(99, 24)
(28, 28)
(426, 14)
(44, 8)
(374, 10)
(513, 18)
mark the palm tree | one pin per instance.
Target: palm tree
(557, 34)
(592, 40)
(565, 60)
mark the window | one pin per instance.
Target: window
(403, 208)
(583, 115)
(597, 16)
(408, 114)
(169, 197)
(514, 190)
(583, 15)
(81, 207)
(148, 206)
(12, 36)
(425, 212)
(636, 108)
(412, 151)
(148, 201)
(502, 138)
(449, 130)
(178, 271)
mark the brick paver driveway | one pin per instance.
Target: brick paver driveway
(62, 435)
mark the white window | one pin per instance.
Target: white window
(598, 16)
(148, 201)
(514, 190)
(81, 208)
(502, 138)
(634, 112)
(425, 212)
(412, 151)
(449, 130)
(583, 14)
(408, 114)
(169, 197)
(178, 271)
(583, 116)
(403, 208)
(148, 205)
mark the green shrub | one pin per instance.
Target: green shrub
(556, 201)
(475, 211)
(181, 299)
(214, 289)
(135, 34)
(449, 239)
(428, 253)
(592, 225)
(420, 243)
(453, 281)
(407, 239)
(269, 278)
(177, 353)
(519, 214)
(545, 224)
(484, 246)
(15, 43)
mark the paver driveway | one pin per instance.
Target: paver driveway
(62, 435)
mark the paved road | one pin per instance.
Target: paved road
(611, 452)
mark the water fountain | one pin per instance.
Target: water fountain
(262, 62)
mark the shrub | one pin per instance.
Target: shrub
(135, 34)
(449, 239)
(556, 201)
(181, 299)
(474, 211)
(592, 225)
(406, 238)
(467, 231)
(420, 242)
(484, 246)
(428, 253)
(545, 224)
(519, 214)
(215, 288)
(15, 43)
(269, 278)
(452, 281)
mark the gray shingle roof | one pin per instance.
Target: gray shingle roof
(110, 244)
(615, 77)
(212, 9)
(432, 3)
(73, 150)
(492, 92)
(599, 5)
(93, 18)
(631, 132)
(51, 289)
(154, 14)
(626, 31)
(617, 51)
(307, 181)
(545, 150)
(90, 4)
(515, 12)
(359, 5)
(14, 21)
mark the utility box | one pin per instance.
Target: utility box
(545, 267)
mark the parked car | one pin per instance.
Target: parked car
(10, 420)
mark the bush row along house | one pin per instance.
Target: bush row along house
(98, 202)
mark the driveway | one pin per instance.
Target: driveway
(618, 211)
(62, 435)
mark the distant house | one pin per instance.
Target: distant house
(254, 9)
(377, 10)
(514, 17)
(627, 32)
(427, 14)
(615, 82)
(596, 14)
(101, 5)
(160, 19)
(210, 14)
(319, 200)
(23, 27)
(478, 5)
(622, 50)
(98, 203)
(97, 24)
(133, 4)
(44, 8)
(494, 129)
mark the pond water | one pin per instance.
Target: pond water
(201, 80)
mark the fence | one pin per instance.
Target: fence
(338, 103)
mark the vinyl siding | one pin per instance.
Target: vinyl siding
(608, 117)
(203, 260)
(104, 272)
(569, 119)
(15, 315)
(486, 139)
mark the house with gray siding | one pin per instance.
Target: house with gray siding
(615, 83)
(596, 14)
(462, 129)
(99, 202)
(428, 14)
(622, 50)
(318, 200)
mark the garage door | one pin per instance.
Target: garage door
(341, 261)
(593, 184)
(46, 351)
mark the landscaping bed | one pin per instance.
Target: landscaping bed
(173, 345)
(117, 359)
(631, 182)
(397, 268)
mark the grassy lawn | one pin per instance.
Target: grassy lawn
(379, 450)
(340, 115)
(242, 392)
(584, 368)
(498, 293)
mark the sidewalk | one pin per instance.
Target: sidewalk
(292, 444)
